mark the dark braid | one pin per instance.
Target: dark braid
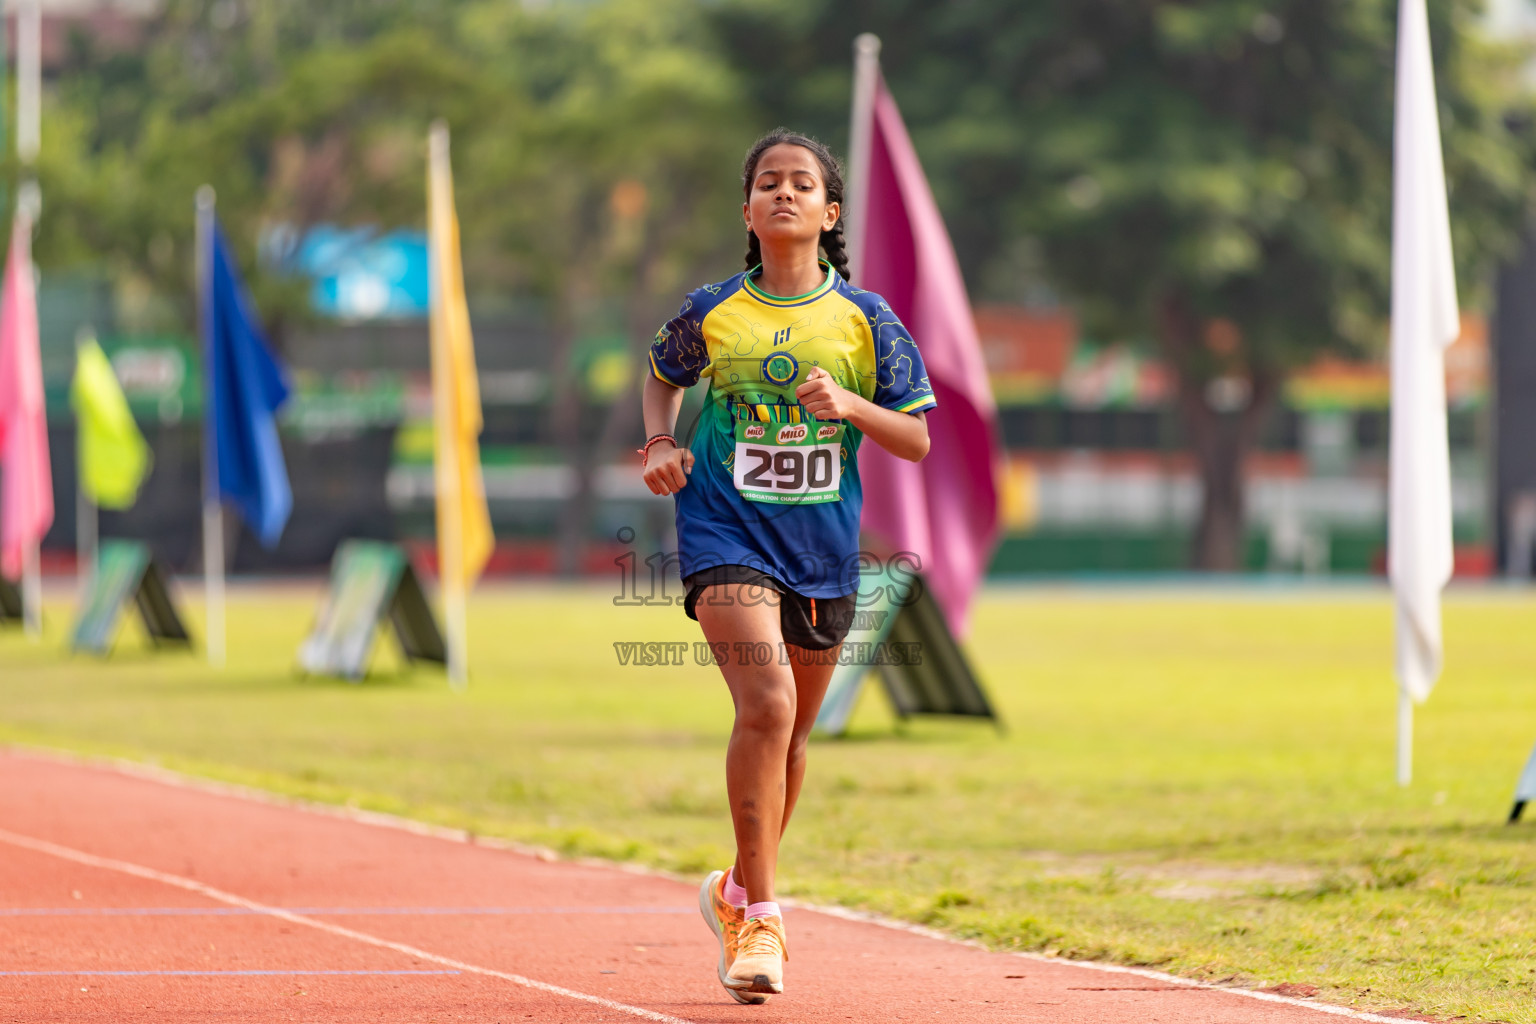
(754, 249)
(832, 242)
(836, 248)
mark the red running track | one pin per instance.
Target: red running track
(127, 899)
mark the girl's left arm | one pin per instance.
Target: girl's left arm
(903, 434)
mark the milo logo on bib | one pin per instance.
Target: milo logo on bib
(755, 431)
(792, 433)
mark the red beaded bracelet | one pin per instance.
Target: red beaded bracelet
(645, 453)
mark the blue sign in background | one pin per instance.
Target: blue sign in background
(359, 274)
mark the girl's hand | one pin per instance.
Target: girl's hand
(667, 468)
(824, 398)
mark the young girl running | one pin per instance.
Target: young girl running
(802, 366)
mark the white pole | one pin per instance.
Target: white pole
(32, 591)
(446, 471)
(86, 523)
(29, 78)
(455, 609)
(85, 539)
(866, 76)
(213, 509)
(1404, 738)
(213, 579)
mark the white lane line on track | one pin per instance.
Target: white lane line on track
(208, 974)
(380, 819)
(341, 911)
(191, 885)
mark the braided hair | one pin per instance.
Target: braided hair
(832, 242)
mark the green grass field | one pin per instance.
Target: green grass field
(1196, 780)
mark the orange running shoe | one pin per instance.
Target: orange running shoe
(760, 956)
(725, 919)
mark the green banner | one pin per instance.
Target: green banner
(369, 581)
(125, 570)
(880, 595)
(899, 630)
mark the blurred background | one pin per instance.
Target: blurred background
(1173, 218)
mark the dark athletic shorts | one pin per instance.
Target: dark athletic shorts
(815, 623)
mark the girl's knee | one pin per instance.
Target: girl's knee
(769, 710)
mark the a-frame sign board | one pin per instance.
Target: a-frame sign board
(899, 630)
(126, 570)
(369, 582)
(10, 602)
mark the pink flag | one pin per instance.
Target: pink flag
(943, 509)
(26, 483)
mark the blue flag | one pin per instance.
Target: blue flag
(245, 387)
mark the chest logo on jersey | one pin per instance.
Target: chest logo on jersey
(781, 337)
(781, 367)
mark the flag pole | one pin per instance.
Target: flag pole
(29, 63)
(87, 532)
(450, 543)
(87, 525)
(866, 76)
(32, 591)
(86, 529)
(213, 511)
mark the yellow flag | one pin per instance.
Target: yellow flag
(113, 456)
(464, 537)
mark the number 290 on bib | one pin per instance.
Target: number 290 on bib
(784, 463)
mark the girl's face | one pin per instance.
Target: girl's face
(787, 201)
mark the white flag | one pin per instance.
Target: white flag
(1424, 322)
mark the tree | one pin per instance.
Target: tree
(595, 149)
(627, 168)
(1213, 176)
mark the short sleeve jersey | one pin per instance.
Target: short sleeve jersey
(755, 349)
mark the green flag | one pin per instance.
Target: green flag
(113, 455)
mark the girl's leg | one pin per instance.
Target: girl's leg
(813, 671)
(764, 695)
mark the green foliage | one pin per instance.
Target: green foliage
(1200, 782)
(1213, 177)
(1236, 153)
(1232, 157)
(576, 142)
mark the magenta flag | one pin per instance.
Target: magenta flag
(943, 509)
(26, 483)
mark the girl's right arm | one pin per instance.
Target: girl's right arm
(666, 466)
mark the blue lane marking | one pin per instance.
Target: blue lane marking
(201, 974)
(320, 911)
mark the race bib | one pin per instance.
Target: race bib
(785, 463)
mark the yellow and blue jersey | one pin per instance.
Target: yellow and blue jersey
(755, 349)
